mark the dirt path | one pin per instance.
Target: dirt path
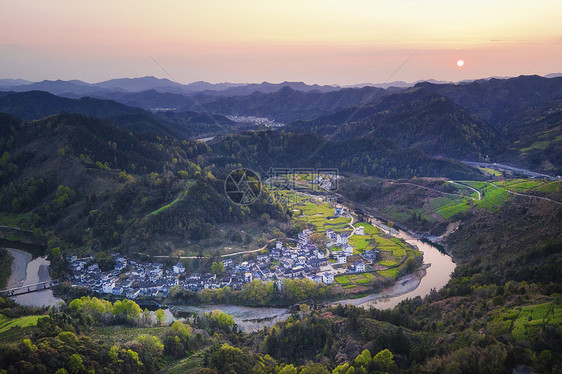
(225, 255)
(526, 195)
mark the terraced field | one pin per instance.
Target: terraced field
(353, 280)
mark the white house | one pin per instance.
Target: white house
(348, 250)
(344, 239)
(342, 259)
(278, 245)
(328, 278)
(178, 268)
(248, 277)
(359, 266)
(227, 263)
(360, 230)
(108, 286)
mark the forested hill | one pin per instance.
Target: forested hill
(367, 155)
(98, 186)
(416, 118)
(34, 105)
(287, 104)
(498, 101)
(474, 121)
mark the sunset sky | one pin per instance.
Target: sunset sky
(315, 41)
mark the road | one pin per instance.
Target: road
(443, 192)
(526, 195)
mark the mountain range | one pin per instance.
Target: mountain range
(513, 120)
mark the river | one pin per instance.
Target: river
(27, 271)
(435, 274)
(437, 271)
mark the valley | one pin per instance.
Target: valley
(411, 229)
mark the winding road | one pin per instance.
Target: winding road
(443, 192)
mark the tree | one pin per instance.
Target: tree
(76, 364)
(150, 348)
(314, 368)
(181, 330)
(160, 316)
(288, 369)
(384, 360)
(217, 268)
(229, 359)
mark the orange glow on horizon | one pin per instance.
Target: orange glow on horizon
(319, 41)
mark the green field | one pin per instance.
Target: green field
(7, 323)
(491, 171)
(316, 213)
(447, 207)
(527, 321)
(552, 187)
(352, 280)
(492, 197)
(520, 185)
(390, 273)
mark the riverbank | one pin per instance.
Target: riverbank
(18, 272)
(382, 300)
(26, 271)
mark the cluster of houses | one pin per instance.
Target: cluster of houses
(132, 278)
(128, 278)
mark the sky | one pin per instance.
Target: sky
(315, 41)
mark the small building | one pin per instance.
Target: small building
(316, 279)
(227, 263)
(278, 245)
(117, 291)
(178, 268)
(341, 258)
(328, 278)
(348, 250)
(248, 277)
(360, 230)
(359, 266)
(108, 286)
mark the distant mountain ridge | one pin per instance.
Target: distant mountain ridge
(77, 88)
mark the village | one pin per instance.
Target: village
(132, 279)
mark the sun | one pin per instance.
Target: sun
(460, 63)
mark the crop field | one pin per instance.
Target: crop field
(492, 197)
(352, 280)
(527, 321)
(520, 185)
(390, 273)
(552, 187)
(447, 207)
(316, 213)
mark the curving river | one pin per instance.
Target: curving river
(438, 268)
(436, 273)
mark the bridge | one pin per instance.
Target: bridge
(28, 288)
